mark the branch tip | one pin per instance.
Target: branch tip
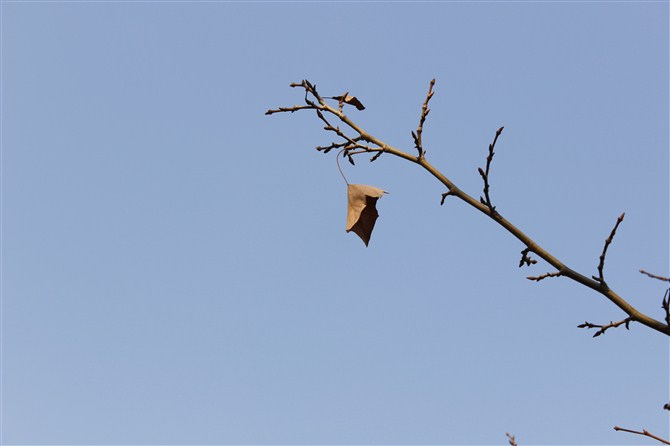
(654, 276)
(418, 143)
(485, 173)
(643, 432)
(603, 328)
(608, 241)
(544, 276)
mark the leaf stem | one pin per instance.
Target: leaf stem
(337, 159)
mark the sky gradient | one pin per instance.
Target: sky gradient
(175, 268)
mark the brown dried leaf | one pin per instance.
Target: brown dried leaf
(351, 100)
(362, 212)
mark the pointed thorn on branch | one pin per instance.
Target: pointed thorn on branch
(654, 276)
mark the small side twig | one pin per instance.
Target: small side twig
(352, 143)
(333, 145)
(654, 276)
(511, 439)
(377, 155)
(293, 109)
(608, 241)
(485, 173)
(445, 195)
(643, 432)
(544, 276)
(424, 113)
(604, 328)
(665, 304)
(525, 259)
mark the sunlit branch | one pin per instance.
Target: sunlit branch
(643, 432)
(358, 141)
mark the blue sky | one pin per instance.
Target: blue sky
(175, 268)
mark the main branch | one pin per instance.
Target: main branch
(363, 142)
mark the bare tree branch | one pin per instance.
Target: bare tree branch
(295, 108)
(643, 432)
(665, 303)
(424, 113)
(485, 173)
(654, 276)
(601, 264)
(544, 276)
(604, 328)
(357, 140)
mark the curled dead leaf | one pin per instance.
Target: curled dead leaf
(362, 211)
(351, 100)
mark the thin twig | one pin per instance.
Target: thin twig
(424, 113)
(333, 146)
(643, 432)
(485, 173)
(511, 439)
(377, 155)
(601, 264)
(665, 304)
(544, 276)
(366, 150)
(444, 196)
(654, 276)
(604, 328)
(353, 143)
(295, 108)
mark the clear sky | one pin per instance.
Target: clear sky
(175, 268)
